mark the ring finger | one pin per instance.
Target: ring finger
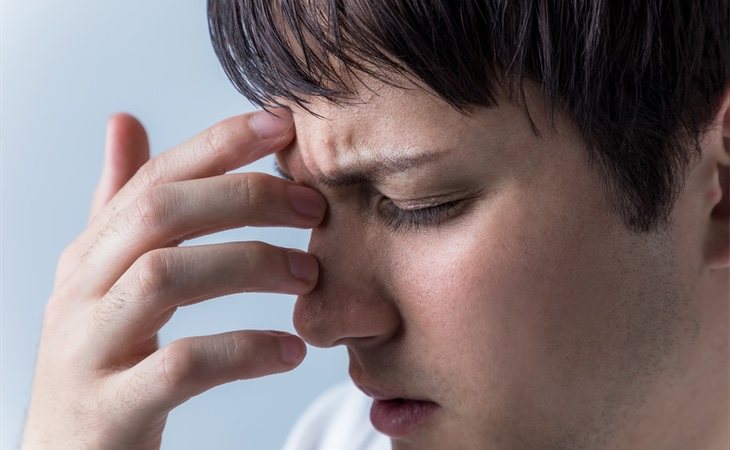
(146, 296)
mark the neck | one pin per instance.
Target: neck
(691, 408)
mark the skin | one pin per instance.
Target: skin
(101, 379)
(533, 317)
(530, 314)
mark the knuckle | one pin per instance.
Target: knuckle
(148, 175)
(256, 254)
(241, 351)
(108, 231)
(215, 138)
(110, 308)
(150, 277)
(151, 208)
(131, 395)
(246, 189)
(153, 273)
(177, 364)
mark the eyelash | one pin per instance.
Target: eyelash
(399, 219)
(414, 219)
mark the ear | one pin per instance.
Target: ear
(717, 245)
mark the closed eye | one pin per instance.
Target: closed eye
(400, 219)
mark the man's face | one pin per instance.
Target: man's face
(522, 306)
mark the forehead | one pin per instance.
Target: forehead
(387, 121)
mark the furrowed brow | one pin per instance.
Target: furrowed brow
(370, 174)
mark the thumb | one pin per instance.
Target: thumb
(126, 150)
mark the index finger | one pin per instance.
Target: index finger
(227, 145)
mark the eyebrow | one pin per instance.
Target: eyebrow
(367, 175)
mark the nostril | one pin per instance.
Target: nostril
(360, 342)
(324, 319)
(349, 304)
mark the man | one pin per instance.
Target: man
(519, 219)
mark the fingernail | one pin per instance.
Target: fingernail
(306, 201)
(302, 265)
(267, 125)
(292, 350)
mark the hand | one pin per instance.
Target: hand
(101, 379)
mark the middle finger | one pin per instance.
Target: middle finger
(169, 214)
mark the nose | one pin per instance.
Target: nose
(350, 304)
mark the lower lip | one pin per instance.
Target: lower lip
(398, 417)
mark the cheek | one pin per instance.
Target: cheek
(490, 284)
(535, 293)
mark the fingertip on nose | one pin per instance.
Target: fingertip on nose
(306, 201)
(303, 266)
(293, 349)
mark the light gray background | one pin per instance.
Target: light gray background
(66, 66)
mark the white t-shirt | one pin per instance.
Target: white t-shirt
(338, 420)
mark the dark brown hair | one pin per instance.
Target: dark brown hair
(642, 79)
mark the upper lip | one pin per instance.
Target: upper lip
(376, 390)
(375, 393)
(381, 394)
